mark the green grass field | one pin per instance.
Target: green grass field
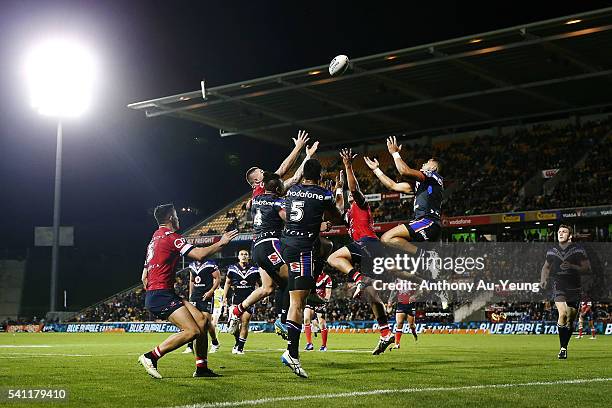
(101, 370)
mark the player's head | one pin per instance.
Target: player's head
(432, 164)
(273, 183)
(254, 176)
(312, 170)
(564, 233)
(243, 256)
(165, 214)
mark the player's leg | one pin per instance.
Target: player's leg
(411, 320)
(580, 325)
(308, 312)
(562, 325)
(201, 314)
(245, 321)
(592, 327)
(189, 330)
(340, 260)
(400, 317)
(212, 332)
(572, 311)
(378, 308)
(399, 237)
(324, 331)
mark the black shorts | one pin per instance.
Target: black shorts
(571, 296)
(407, 308)
(424, 229)
(318, 308)
(162, 302)
(204, 306)
(301, 268)
(267, 255)
(360, 249)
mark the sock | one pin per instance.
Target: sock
(285, 309)
(324, 337)
(237, 342)
(384, 329)
(190, 344)
(155, 354)
(580, 331)
(355, 275)
(239, 310)
(398, 335)
(215, 342)
(593, 332)
(241, 343)
(293, 344)
(562, 335)
(201, 362)
(278, 302)
(413, 330)
(308, 332)
(568, 335)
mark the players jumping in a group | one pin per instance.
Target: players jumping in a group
(361, 230)
(429, 188)
(158, 276)
(307, 204)
(564, 265)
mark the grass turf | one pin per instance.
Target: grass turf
(101, 370)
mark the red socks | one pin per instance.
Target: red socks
(324, 337)
(308, 332)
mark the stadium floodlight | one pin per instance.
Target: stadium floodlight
(60, 75)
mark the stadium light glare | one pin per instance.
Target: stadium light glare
(475, 40)
(507, 227)
(314, 72)
(60, 76)
(390, 57)
(573, 21)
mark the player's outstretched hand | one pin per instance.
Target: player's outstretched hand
(392, 145)
(302, 139)
(326, 226)
(347, 156)
(311, 150)
(228, 236)
(372, 163)
(340, 180)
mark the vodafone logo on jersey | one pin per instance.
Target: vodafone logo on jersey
(179, 243)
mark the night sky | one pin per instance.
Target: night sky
(117, 164)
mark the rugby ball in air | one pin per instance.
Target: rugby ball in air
(338, 65)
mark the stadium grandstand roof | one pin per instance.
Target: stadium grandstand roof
(540, 70)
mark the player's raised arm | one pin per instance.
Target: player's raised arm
(310, 151)
(300, 142)
(400, 164)
(201, 253)
(339, 194)
(353, 185)
(385, 180)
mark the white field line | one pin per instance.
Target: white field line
(30, 355)
(387, 391)
(24, 346)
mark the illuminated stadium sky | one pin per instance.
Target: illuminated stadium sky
(117, 164)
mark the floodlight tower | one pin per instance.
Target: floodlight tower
(60, 77)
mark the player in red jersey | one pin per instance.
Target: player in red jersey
(586, 313)
(361, 229)
(158, 276)
(316, 307)
(254, 175)
(404, 309)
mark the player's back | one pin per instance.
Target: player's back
(428, 196)
(305, 206)
(163, 253)
(360, 222)
(267, 222)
